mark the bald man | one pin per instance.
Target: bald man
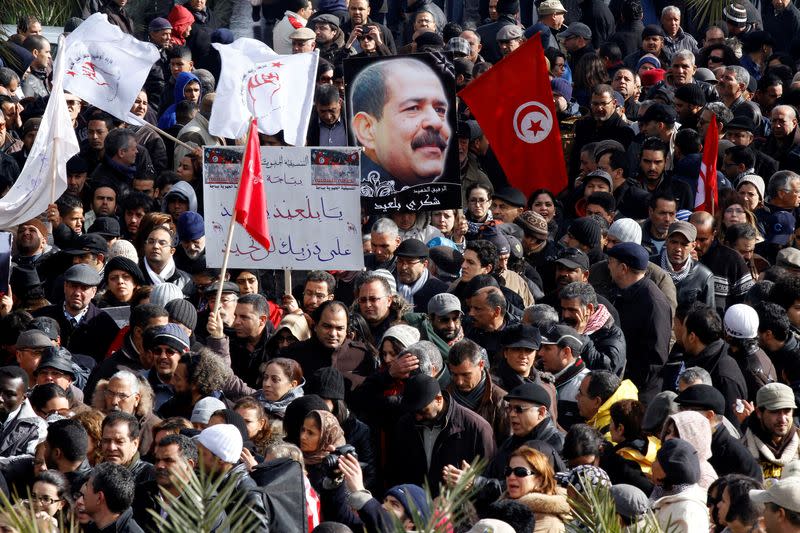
(782, 144)
(732, 277)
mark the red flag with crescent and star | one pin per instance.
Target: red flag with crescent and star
(251, 200)
(513, 103)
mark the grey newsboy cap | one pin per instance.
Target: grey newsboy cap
(83, 274)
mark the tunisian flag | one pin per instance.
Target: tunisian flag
(706, 198)
(251, 201)
(513, 104)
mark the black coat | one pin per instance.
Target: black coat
(464, 436)
(730, 456)
(488, 35)
(252, 499)
(726, 376)
(609, 344)
(622, 470)
(588, 130)
(646, 321)
(124, 524)
(93, 335)
(431, 288)
(632, 199)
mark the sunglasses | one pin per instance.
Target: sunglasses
(715, 59)
(519, 471)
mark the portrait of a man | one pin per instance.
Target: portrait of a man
(399, 111)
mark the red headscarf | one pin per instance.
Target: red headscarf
(181, 20)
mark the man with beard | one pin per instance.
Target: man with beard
(85, 329)
(694, 282)
(31, 242)
(191, 252)
(653, 171)
(105, 194)
(405, 145)
(689, 103)
(772, 436)
(581, 310)
(603, 123)
(571, 265)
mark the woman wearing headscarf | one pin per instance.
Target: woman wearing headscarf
(181, 20)
(694, 428)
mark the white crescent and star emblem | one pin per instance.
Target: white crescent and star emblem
(532, 122)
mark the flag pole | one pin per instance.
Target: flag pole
(229, 241)
(168, 136)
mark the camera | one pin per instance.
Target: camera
(330, 465)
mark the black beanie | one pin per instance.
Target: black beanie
(126, 265)
(586, 231)
(297, 411)
(692, 94)
(680, 463)
(508, 7)
(183, 312)
(327, 383)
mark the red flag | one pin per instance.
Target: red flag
(706, 198)
(513, 103)
(251, 201)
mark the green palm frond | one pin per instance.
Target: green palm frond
(49, 13)
(203, 498)
(21, 517)
(707, 11)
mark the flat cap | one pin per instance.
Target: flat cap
(444, 303)
(576, 29)
(89, 243)
(33, 338)
(303, 34)
(660, 113)
(521, 336)
(573, 258)
(530, 392)
(702, 396)
(509, 33)
(83, 275)
(512, 196)
(412, 248)
(327, 18)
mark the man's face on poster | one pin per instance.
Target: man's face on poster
(410, 138)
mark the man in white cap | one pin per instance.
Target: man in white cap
(741, 334)
(219, 450)
(772, 436)
(781, 505)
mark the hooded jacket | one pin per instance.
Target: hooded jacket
(602, 418)
(685, 511)
(167, 119)
(695, 429)
(186, 190)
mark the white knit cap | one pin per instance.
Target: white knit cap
(626, 230)
(223, 440)
(123, 248)
(164, 293)
(741, 322)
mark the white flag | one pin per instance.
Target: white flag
(105, 66)
(44, 176)
(256, 82)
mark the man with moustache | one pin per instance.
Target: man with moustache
(404, 131)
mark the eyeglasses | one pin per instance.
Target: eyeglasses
(370, 299)
(519, 471)
(407, 262)
(602, 104)
(518, 409)
(161, 243)
(44, 500)
(735, 211)
(478, 201)
(121, 395)
(715, 59)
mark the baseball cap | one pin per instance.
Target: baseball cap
(83, 275)
(204, 408)
(660, 113)
(683, 228)
(563, 336)
(573, 258)
(781, 492)
(576, 29)
(741, 322)
(779, 227)
(521, 336)
(171, 335)
(600, 174)
(775, 396)
(529, 392)
(631, 254)
(458, 45)
(223, 440)
(444, 303)
(48, 326)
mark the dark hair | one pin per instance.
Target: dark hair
(320, 276)
(663, 195)
(34, 42)
(740, 231)
(630, 414)
(464, 350)
(184, 110)
(119, 417)
(258, 302)
(25, 22)
(136, 200)
(792, 517)
(102, 116)
(741, 507)
(771, 79)
(15, 372)
(486, 251)
(187, 446)
(116, 140)
(772, 317)
(329, 304)
(7, 76)
(728, 54)
(117, 484)
(612, 51)
(70, 437)
(41, 394)
(369, 90)
(166, 177)
(179, 52)
(688, 141)
(205, 370)
(742, 155)
(602, 384)
(654, 144)
(290, 368)
(144, 313)
(705, 323)
(479, 185)
(617, 160)
(326, 94)
(786, 291)
(581, 440)
(59, 481)
(67, 204)
(513, 513)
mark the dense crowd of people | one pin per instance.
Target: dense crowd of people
(606, 337)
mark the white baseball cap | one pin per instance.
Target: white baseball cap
(741, 322)
(223, 440)
(782, 492)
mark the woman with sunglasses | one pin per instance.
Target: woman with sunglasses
(530, 481)
(717, 55)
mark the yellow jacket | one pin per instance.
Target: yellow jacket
(645, 461)
(602, 418)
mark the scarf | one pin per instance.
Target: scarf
(128, 170)
(166, 273)
(677, 277)
(408, 291)
(597, 320)
(331, 434)
(278, 407)
(472, 398)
